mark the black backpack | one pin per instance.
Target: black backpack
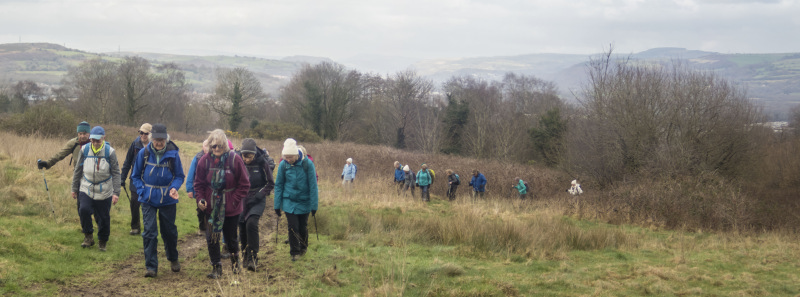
(458, 179)
(526, 186)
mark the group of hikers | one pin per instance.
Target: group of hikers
(405, 179)
(229, 188)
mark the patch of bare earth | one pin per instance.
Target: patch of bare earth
(127, 278)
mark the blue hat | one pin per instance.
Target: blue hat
(97, 133)
(83, 127)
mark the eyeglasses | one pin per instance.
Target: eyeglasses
(216, 146)
(143, 133)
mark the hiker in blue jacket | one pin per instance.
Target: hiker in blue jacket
(157, 175)
(296, 195)
(348, 175)
(478, 184)
(399, 176)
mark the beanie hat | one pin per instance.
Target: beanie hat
(349, 160)
(574, 181)
(84, 127)
(97, 133)
(146, 128)
(405, 168)
(290, 147)
(248, 146)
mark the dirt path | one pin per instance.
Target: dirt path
(127, 277)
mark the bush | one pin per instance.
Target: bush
(281, 131)
(48, 119)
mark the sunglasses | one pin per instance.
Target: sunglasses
(143, 133)
(216, 146)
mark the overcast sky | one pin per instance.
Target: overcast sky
(410, 28)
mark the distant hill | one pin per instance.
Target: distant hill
(771, 79)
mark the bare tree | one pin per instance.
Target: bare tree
(169, 94)
(236, 91)
(406, 92)
(91, 82)
(134, 84)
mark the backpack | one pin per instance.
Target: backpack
(170, 163)
(85, 153)
(526, 185)
(458, 179)
(433, 175)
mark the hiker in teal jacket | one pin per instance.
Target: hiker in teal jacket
(424, 180)
(296, 194)
(521, 188)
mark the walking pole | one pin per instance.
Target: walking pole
(316, 230)
(49, 198)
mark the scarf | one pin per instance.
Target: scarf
(218, 196)
(159, 153)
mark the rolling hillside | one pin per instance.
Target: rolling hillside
(771, 79)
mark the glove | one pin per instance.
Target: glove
(313, 213)
(42, 164)
(278, 212)
(123, 185)
(342, 176)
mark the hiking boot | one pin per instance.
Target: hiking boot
(135, 232)
(175, 266)
(251, 264)
(216, 272)
(286, 241)
(150, 273)
(102, 246)
(88, 240)
(235, 265)
(295, 257)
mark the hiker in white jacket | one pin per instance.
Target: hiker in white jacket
(575, 189)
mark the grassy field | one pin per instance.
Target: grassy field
(374, 242)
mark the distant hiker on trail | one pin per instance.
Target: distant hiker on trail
(399, 176)
(139, 143)
(453, 180)
(424, 180)
(521, 187)
(410, 180)
(221, 184)
(296, 194)
(478, 184)
(261, 185)
(95, 183)
(348, 175)
(201, 215)
(71, 148)
(575, 188)
(156, 177)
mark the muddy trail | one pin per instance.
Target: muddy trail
(126, 278)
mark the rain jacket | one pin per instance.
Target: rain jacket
(192, 169)
(153, 180)
(261, 184)
(399, 174)
(349, 171)
(521, 187)
(478, 183)
(296, 187)
(424, 178)
(237, 183)
(97, 175)
(72, 147)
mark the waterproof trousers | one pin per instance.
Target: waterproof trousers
(155, 217)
